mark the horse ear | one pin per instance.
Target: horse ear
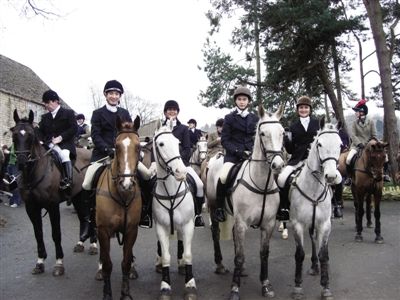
(279, 112)
(31, 116)
(118, 123)
(322, 122)
(136, 123)
(16, 117)
(261, 111)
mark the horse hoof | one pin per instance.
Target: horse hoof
(159, 268)
(379, 240)
(181, 270)
(358, 238)
(234, 295)
(221, 270)
(79, 248)
(58, 270)
(133, 274)
(93, 250)
(190, 293)
(297, 293)
(165, 294)
(38, 269)
(285, 234)
(267, 290)
(326, 294)
(313, 271)
(99, 275)
(369, 224)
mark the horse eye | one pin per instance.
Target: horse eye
(262, 133)
(319, 145)
(161, 144)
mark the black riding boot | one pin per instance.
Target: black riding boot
(283, 214)
(219, 214)
(66, 181)
(198, 206)
(147, 197)
(338, 201)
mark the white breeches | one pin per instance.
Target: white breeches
(62, 153)
(224, 171)
(199, 183)
(285, 174)
(350, 156)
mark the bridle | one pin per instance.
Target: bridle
(165, 163)
(323, 160)
(268, 154)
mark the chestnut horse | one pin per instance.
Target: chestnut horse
(367, 181)
(119, 204)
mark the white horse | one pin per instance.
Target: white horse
(199, 155)
(173, 208)
(255, 198)
(310, 205)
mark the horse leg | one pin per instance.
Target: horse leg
(181, 263)
(127, 260)
(266, 289)
(368, 209)
(82, 209)
(34, 214)
(314, 270)
(54, 213)
(359, 216)
(190, 283)
(163, 238)
(298, 233)
(104, 240)
(377, 215)
(215, 232)
(239, 231)
(323, 256)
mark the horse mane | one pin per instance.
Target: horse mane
(127, 126)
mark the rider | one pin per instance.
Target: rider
(194, 133)
(362, 130)
(104, 133)
(83, 132)
(214, 145)
(237, 137)
(181, 132)
(58, 129)
(297, 142)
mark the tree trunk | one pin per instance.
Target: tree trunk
(374, 12)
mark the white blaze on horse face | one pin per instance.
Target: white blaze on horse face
(126, 183)
(202, 148)
(22, 132)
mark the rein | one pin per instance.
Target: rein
(167, 169)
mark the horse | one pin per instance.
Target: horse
(310, 205)
(173, 208)
(367, 181)
(119, 204)
(199, 155)
(255, 197)
(39, 186)
(146, 151)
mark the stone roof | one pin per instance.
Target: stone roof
(20, 81)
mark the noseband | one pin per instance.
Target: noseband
(124, 175)
(268, 154)
(322, 161)
(166, 167)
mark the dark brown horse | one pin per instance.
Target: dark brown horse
(367, 181)
(119, 204)
(39, 186)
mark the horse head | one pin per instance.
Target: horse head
(269, 138)
(127, 147)
(375, 155)
(24, 138)
(201, 149)
(166, 153)
(326, 147)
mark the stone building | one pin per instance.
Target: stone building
(21, 89)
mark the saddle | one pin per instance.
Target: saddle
(231, 184)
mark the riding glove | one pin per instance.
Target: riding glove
(110, 152)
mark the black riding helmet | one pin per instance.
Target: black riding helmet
(219, 123)
(171, 104)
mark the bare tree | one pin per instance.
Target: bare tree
(97, 97)
(146, 110)
(32, 8)
(374, 12)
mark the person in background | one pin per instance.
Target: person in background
(83, 134)
(237, 137)
(58, 129)
(214, 144)
(12, 170)
(194, 133)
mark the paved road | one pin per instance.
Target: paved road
(358, 270)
